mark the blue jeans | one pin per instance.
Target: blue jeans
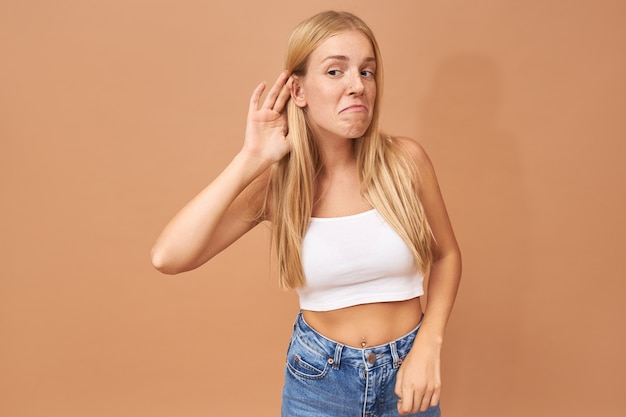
(324, 378)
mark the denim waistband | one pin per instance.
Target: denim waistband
(368, 357)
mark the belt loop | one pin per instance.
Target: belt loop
(394, 354)
(298, 318)
(337, 358)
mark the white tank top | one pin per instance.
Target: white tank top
(354, 260)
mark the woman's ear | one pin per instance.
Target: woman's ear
(297, 92)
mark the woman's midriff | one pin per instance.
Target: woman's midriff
(373, 324)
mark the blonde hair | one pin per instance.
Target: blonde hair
(388, 177)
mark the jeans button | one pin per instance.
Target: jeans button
(371, 358)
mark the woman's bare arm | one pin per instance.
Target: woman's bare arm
(227, 208)
(418, 382)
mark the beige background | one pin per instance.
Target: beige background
(114, 113)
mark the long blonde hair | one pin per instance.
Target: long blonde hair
(388, 177)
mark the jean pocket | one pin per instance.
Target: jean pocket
(304, 363)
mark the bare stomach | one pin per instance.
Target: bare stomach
(373, 324)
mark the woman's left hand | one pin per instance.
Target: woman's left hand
(418, 382)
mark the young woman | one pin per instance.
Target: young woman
(358, 222)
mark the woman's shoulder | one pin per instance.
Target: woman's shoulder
(411, 147)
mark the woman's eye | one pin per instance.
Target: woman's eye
(367, 73)
(333, 72)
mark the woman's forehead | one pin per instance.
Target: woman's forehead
(346, 46)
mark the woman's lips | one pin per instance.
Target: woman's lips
(355, 108)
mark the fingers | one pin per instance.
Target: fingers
(405, 398)
(283, 96)
(416, 400)
(405, 404)
(272, 101)
(434, 400)
(412, 403)
(256, 95)
(276, 98)
(424, 404)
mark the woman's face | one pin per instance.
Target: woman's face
(339, 88)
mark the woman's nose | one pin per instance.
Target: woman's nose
(355, 84)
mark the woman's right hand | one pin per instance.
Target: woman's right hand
(266, 128)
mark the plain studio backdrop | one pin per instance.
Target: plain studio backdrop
(114, 113)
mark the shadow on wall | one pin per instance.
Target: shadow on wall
(481, 175)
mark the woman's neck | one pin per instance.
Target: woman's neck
(336, 155)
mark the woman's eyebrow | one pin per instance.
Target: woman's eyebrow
(345, 58)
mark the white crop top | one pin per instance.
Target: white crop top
(354, 260)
